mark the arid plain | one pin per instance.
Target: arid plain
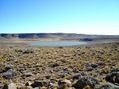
(90, 66)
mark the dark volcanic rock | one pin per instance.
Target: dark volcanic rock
(79, 75)
(53, 64)
(113, 78)
(12, 58)
(10, 74)
(28, 51)
(40, 83)
(84, 81)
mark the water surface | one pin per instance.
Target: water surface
(57, 43)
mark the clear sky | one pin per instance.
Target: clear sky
(68, 16)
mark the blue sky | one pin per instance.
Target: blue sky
(68, 16)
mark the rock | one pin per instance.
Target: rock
(10, 86)
(53, 64)
(64, 83)
(28, 74)
(28, 51)
(108, 86)
(10, 74)
(62, 75)
(28, 84)
(101, 63)
(89, 68)
(63, 60)
(12, 58)
(84, 81)
(9, 66)
(113, 78)
(91, 65)
(94, 65)
(79, 75)
(40, 83)
(116, 69)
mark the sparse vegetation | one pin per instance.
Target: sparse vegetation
(50, 64)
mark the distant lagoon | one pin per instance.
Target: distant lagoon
(57, 43)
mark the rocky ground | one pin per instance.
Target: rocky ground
(81, 67)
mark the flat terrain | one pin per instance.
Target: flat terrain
(22, 63)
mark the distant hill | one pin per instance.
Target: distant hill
(60, 36)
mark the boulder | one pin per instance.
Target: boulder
(10, 86)
(113, 77)
(10, 74)
(84, 81)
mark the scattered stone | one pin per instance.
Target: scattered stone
(28, 74)
(10, 86)
(12, 58)
(101, 63)
(94, 65)
(64, 83)
(89, 68)
(40, 83)
(10, 74)
(9, 66)
(53, 64)
(79, 75)
(116, 69)
(91, 65)
(84, 81)
(28, 84)
(62, 75)
(28, 51)
(113, 78)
